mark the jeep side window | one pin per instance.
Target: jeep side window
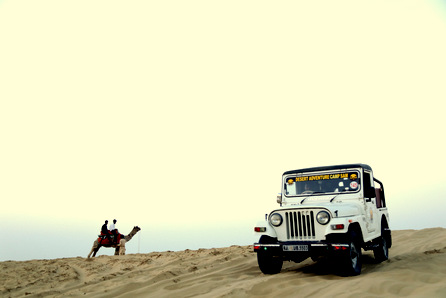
(368, 191)
(380, 199)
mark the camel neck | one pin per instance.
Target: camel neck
(132, 233)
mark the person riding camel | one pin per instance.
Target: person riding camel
(105, 232)
(114, 230)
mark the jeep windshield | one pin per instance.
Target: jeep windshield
(325, 183)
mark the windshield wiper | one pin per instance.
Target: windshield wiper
(333, 198)
(337, 195)
(316, 192)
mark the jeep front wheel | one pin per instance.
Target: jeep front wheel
(268, 263)
(351, 261)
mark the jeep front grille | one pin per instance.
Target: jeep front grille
(300, 225)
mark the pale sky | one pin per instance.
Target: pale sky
(181, 116)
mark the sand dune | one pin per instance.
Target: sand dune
(417, 268)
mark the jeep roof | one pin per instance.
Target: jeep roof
(327, 168)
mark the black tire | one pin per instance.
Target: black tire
(382, 251)
(351, 263)
(268, 263)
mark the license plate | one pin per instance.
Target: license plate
(295, 248)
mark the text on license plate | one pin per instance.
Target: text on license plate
(295, 248)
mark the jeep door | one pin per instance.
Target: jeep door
(370, 210)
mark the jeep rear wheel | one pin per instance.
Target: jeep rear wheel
(268, 263)
(381, 253)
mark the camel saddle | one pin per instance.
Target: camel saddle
(109, 239)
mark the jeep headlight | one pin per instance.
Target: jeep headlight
(323, 217)
(276, 219)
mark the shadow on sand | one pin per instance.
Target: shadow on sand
(325, 266)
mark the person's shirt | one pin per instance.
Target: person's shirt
(112, 227)
(104, 229)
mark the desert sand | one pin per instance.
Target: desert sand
(416, 268)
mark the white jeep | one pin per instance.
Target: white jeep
(333, 212)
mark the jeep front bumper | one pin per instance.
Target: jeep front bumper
(310, 248)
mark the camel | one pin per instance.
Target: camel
(119, 248)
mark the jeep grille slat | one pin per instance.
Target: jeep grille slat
(300, 225)
(313, 229)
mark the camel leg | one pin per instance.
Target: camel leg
(95, 251)
(91, 251)
(117, 250)
(94, 248)
(122, 247)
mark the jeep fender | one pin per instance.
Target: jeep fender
(357, 229)
(386, 230)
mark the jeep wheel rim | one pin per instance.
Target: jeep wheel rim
(385, 250)
(354, 255)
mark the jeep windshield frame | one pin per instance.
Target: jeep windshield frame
(321, 183)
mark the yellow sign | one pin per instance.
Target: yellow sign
(353, 176)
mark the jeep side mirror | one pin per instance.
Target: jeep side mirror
(279, 199)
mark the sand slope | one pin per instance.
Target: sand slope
(417, 268)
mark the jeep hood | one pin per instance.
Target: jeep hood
(342, 210)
